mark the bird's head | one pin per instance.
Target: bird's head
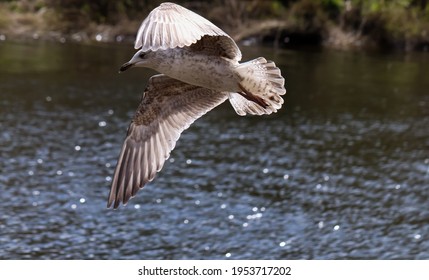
(140, 59)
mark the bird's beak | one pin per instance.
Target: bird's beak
(136, 60)
(126, 66)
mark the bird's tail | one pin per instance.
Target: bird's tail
(262, 86)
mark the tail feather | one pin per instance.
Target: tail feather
(262, 85)
(243, 106)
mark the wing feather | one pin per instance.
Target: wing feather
(170, 25)
(168, 107)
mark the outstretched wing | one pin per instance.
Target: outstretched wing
(167, 108)
(171, 25)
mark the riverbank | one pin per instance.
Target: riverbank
(351, 24)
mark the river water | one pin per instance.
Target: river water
(341, 172)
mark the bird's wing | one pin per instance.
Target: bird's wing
(167, 108)
(217, 46)
(171, 25)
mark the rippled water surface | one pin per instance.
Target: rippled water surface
(341, 172)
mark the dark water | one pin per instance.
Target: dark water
(341, 172)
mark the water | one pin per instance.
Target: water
(341, 172)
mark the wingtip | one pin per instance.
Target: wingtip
(118, 202)
(115, 205)
(109, 204)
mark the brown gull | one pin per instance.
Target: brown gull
(200, 69)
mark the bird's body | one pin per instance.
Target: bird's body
(200, 66)
(208, 71)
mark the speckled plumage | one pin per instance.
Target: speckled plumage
(200, 69)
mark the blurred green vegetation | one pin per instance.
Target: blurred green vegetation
(402, 24)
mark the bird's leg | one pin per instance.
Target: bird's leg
(251, 97)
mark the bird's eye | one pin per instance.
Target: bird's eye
(141, 55)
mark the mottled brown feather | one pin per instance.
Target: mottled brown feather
(167, 108)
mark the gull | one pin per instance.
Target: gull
(200, 69)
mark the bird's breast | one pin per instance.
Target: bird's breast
(201, 70)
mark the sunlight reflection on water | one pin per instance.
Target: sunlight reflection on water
(341, 172)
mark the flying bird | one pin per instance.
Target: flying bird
(200, 69)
